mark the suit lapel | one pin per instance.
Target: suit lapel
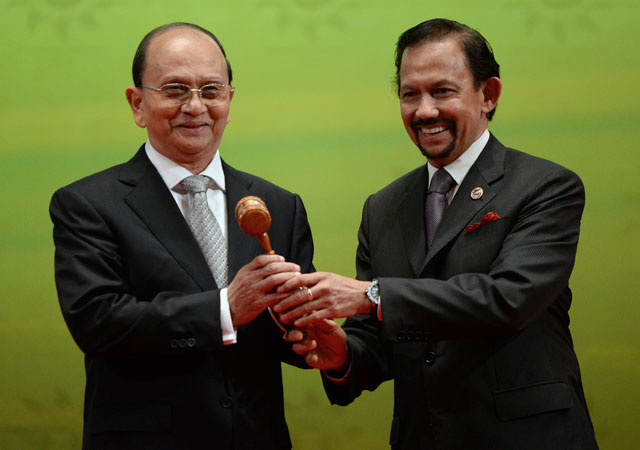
(411, 219)
(485, 171)
(153, 203)
(242, 248)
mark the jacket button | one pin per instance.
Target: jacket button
(182, 343)
(430, 358)
(191, 342)
(173, 343)
(225, 402)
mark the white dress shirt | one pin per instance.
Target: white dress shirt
(172, 174)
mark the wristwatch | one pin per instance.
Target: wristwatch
(373, 292)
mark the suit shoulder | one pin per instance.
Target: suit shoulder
(517, 159)
(112, 182)
(96, 182)
(521, 164)
(256, 182)
(400, 185)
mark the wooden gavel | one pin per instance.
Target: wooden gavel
(254, 219)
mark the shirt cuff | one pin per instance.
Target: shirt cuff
(229, 333)
(339, 379)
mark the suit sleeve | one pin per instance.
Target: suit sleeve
(301, 240)
(534, 249)
(301, 252)
(106, 315)
(370, 356)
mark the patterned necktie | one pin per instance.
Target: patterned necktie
(441, 184)
(205, 228)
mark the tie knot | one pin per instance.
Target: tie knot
(442, 182)
(195, 184)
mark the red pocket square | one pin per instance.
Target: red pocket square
(488, 217)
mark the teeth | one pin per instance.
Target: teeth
(430, 131)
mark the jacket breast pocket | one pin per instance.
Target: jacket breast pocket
(476, 250)
(492, 231)
(532, 400)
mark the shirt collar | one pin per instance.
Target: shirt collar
(459, 168)
(173, 173)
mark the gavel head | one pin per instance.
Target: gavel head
(253, 216)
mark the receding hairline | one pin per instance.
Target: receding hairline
(195, 31)
(176, 28)
(140, 58)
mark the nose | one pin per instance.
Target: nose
(194, 106)
(427, 107)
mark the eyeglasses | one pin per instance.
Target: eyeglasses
(177, 93)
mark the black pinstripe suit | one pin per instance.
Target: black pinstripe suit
(475, 331)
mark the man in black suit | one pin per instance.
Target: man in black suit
(468, 317)
(175, 359)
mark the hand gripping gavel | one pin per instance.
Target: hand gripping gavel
(254, 219)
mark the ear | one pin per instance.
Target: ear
(491, 92)
(230, 98)
(134, 97)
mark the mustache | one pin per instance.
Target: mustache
(431, 122)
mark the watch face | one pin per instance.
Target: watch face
(373, 292)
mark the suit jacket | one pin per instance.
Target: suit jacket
(475, 331)
(142, 304)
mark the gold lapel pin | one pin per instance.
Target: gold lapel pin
(476, 193)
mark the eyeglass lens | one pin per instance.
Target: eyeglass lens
(182, 92)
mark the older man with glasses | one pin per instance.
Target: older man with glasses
(161, 290)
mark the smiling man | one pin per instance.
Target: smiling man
(160, 288)
(462, 292)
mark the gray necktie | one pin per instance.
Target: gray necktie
(205, 227)
(437, 202)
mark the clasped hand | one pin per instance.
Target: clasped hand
(253, 288)
(334, 296)
(318, 338)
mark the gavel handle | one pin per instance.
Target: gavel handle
(266, 244)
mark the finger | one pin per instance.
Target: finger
(304, 280)
(311, 359)
(276, 279)
(310, 318)
(279, 267)
(298, 297)
(269, 299)
(305, 346)
(292, 284)
(294, 335)
(326, 325)
(263, 260)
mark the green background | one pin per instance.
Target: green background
(315, 112)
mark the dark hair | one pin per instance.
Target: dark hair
(139, 59)
(477, 49)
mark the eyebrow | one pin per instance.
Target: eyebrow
(440, 82)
